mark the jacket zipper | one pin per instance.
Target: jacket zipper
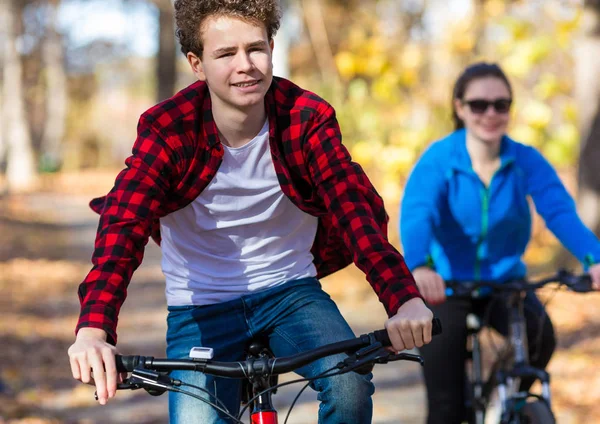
(485, 205)
(485, 202)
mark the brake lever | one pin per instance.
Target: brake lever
(365, 364)
(128, 385)
(125, 385)
(402, 357)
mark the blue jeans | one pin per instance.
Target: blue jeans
(296, 317)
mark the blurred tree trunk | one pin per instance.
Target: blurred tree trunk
(166, 67)
(20, 169)
(479, 25)
(56, 93)
(587, 92)
(3, 19)
(281, 52)
(317, 31)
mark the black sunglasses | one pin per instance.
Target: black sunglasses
(480, 106)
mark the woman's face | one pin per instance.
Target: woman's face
(485, 108)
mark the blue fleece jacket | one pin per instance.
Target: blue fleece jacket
(451, 221)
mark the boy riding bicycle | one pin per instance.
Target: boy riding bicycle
(244, 179)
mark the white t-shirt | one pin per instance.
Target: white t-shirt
(241, 235)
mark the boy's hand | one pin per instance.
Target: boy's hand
(411, 326)
(93, 362)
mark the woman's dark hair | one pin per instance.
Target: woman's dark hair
(191, 14)
(473, 72)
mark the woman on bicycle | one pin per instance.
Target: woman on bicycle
(465, 217)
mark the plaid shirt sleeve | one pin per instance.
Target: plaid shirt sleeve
(357, 211)
(124, 229)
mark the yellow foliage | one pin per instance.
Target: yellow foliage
(356, 37)
(567, 135)
(412, 56)
(526, 54)
(539, 48)
(397, 158)
(358, 90)
(414, 138)
(494, 8)
(368, 120)
(537, 114)
(346, 64)
(516, 65)
(547, 86)
(526, 135)
(570, 111)
(390, 190)
(463, 42)
(365, 152)
(408, 77)
(518, 28)
(568, 26)
(559, 154)
(385, 88)
(375, 65)
(565, 28)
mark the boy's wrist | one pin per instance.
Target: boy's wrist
(91, 333)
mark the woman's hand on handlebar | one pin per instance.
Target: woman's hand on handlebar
(430, 284)
(594, 272)
(93, 362)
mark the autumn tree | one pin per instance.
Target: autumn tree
(587, 72)
(20, 164)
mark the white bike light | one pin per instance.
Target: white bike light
(201, 353)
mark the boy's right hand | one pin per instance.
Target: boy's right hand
(93, 362)
(430, 284)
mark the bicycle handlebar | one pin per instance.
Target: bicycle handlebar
(577, 283)
(265, 366)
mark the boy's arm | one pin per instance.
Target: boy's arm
(357, 211)
(124, 228)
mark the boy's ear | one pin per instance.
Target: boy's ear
(196, 65)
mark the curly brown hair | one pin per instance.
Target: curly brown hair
(191, 14)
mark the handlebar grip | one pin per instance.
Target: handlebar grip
(126, 363)
(583, 284)
(383, 337)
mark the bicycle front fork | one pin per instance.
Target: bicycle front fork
(506, 379)
(262, 411)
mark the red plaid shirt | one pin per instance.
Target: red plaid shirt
(176, 154)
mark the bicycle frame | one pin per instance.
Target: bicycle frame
(506, 372)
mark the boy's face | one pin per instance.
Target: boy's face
(236, 63)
